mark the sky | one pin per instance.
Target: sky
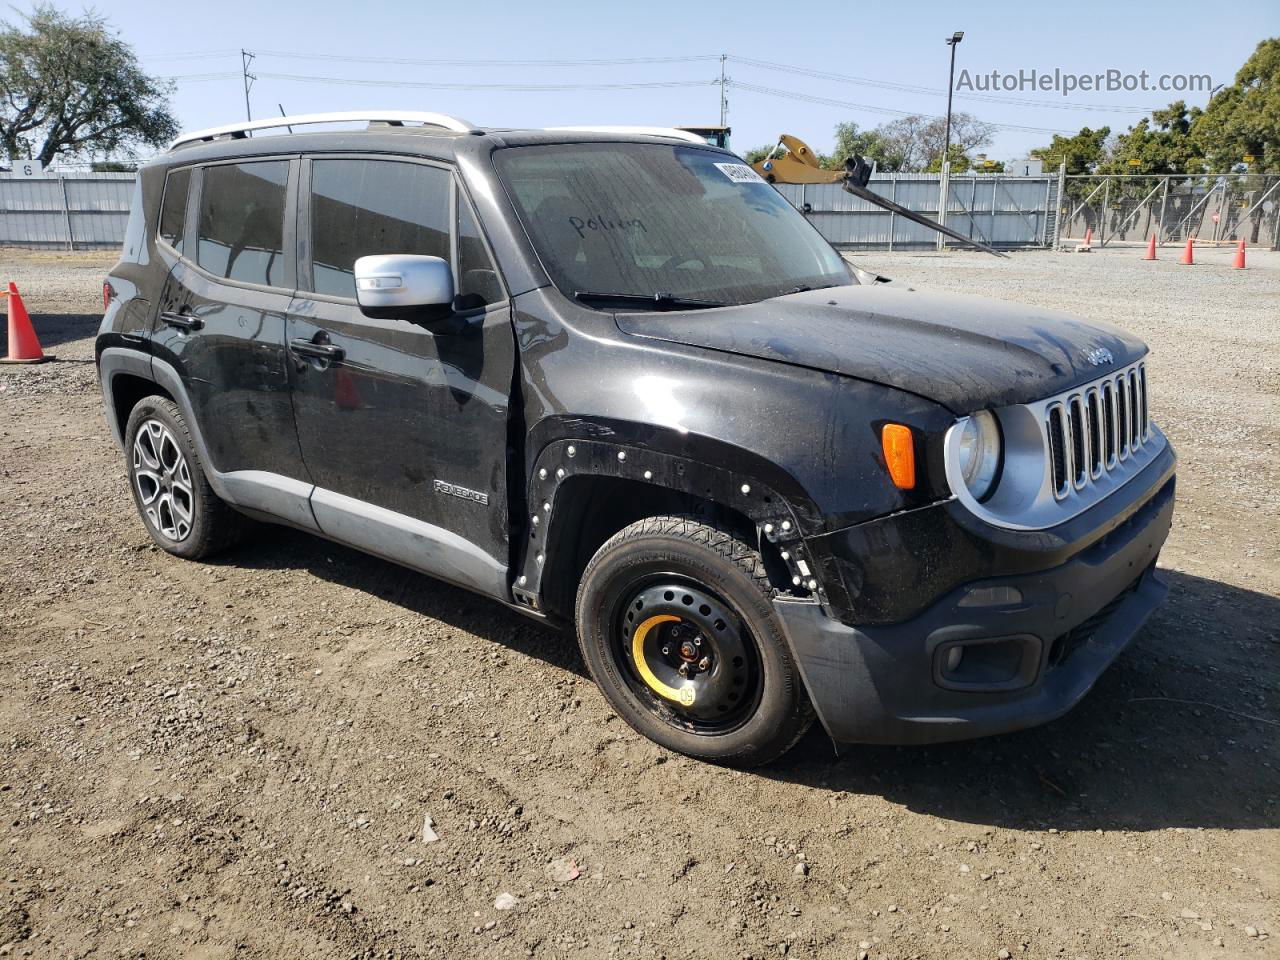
(875, 61)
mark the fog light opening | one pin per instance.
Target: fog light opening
(988, 663)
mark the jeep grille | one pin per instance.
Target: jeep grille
(1065, 453)
(1094, 431)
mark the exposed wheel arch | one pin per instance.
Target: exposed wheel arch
(583, 492)
(126, 390)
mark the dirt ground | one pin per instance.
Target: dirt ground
(236, 759)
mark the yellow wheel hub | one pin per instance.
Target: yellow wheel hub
(684, 695)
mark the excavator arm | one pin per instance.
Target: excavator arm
(791, 161)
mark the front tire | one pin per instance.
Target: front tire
(179, 509)
(677, 627)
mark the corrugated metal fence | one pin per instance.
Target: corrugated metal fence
(76, 211)
(89, 210)
(1002, 211)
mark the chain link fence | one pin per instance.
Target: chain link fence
(1213, 209)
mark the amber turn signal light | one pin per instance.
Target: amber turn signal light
(899, 455)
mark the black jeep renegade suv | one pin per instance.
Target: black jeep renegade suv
(614, 380)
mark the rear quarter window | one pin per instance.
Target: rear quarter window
(173, 210)
(134, 248)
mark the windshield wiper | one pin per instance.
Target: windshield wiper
(658, 301)
(805, 288)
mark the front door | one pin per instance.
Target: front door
(402, 427)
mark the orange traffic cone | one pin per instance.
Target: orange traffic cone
(1188, 255)
(1151, 249)
(1238, 262)
(24, 347)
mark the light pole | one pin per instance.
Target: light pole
(952, 41)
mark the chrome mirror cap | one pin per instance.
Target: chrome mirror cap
(393, 285)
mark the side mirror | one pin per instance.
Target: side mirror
(404, 287)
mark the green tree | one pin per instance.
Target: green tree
(960, 162)
(1243, 119)
(1161, 143)
(758, 154)
(872, 145)
(1084, 152)
(69, 87)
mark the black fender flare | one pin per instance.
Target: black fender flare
(764, 493)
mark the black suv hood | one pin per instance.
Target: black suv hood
(967, 353)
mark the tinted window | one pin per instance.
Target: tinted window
(173, 211)
(242, 221)
(364, 207)
(478, 282)
(643, 219)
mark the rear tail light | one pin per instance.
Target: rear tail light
(108, 294)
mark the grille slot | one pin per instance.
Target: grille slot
(1076, 428)
(1135, 410)
(1058, 449)
(1109, 416)
(1122, 417)
(1142, 386)
(1094, 410)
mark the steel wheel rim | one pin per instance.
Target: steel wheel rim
(668, 621)
(162, 479)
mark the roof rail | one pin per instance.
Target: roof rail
(238, 131)
(669, 132)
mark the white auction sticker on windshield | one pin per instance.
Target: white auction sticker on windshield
(739, 173)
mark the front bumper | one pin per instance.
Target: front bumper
(1061, 628)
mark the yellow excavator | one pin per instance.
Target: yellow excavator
(792, 161)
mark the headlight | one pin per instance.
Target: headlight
(979, 452)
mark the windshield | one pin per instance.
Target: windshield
(662, 223)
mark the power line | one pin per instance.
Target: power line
(791, 69)
(198, 77)
(193, 55)
(509, 87)
(624, 61)
(937, 91)
(831, 102)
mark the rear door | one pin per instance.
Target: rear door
(221, 319)
(403, 427)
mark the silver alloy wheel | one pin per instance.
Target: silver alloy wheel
(163, 480)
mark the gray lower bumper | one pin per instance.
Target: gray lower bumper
(881, 684)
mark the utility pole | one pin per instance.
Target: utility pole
(953, 41)
(245, 59)
(724, 97)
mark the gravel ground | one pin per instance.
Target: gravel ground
(299, 751)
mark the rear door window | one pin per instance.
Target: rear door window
(173, 210)
(364, 207)
(242, 221)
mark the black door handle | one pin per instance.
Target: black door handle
(183, 321)
(321, 351)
